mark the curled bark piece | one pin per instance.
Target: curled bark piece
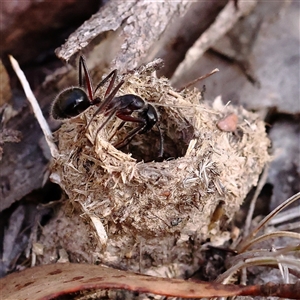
(122, 31)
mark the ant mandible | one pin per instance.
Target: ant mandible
(75, 100)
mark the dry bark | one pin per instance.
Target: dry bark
(123, 32)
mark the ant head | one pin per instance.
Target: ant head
(70, 103)
(151, 118)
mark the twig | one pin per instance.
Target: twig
(224, 22)
(35, 107)
(260, 185)
(198, 79)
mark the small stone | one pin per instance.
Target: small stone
(228, 123)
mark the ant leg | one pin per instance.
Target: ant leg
(82, 65)
(106, 102)
(132, 133)
(110, 112)
(105, 122)
(117, 129)
(135, 131)
(112, 74)
(129, 137)
(161, 147)
(125, 118)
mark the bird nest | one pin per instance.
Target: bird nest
(132, 198)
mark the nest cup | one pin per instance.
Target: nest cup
(133, 200)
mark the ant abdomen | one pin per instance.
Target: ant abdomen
(70, 103)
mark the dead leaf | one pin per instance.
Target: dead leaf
(51, 281)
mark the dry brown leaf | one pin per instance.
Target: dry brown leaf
(51, 281)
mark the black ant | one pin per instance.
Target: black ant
(75, 100)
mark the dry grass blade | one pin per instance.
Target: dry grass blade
(257, 261)
(266, 220)
(289, 226)
(267, 236)
(262, 252)
(286, 216)
(35, 107)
